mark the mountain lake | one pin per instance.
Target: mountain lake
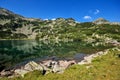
(13, 52)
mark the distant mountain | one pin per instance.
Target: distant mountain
(100, 21)
(14, 26)
(104, 21)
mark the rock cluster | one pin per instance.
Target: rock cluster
(45, 67)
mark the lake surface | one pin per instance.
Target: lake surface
(15, 51)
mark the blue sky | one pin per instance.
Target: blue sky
(80, 10)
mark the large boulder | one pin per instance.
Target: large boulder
(6, 73)
(54, 66)
(61, 65)
(30, 66)
(20, 72)
(33, 66)
(65, 64)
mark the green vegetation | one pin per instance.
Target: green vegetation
(88, 37)
(17, 27)
(101, 68)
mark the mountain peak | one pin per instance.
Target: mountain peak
(100, 21)
(6, 12)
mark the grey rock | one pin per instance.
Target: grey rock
(30, 66)
(33, 66)
(20, 72)
(45, 67)
(5, 73)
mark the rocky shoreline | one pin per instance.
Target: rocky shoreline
(45, 66)
(48, 65)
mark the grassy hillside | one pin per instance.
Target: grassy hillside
(13, 26)
(59, 29)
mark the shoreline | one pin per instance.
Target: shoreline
(77, 58)
(50, 65)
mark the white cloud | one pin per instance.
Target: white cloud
(45, 19)
(97, 11)
(87, 17)
(53, 19)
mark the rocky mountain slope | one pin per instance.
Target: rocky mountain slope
(14, 26)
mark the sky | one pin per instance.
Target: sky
(80, 10)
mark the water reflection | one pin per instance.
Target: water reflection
(14, 51)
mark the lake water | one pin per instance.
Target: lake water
(15, 51)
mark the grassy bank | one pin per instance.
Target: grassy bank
(106, 67)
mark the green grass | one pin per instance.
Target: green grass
(106, 67)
